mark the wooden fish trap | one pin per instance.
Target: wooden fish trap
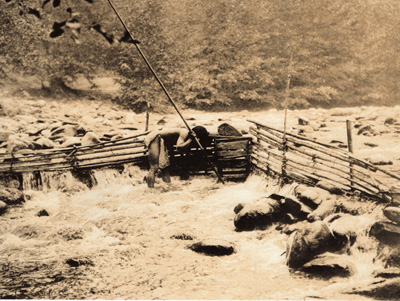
(229, 154)
(296, 158)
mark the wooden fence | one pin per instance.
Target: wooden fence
(310, 162)
(229, 154)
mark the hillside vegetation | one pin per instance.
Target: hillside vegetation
(212, 55)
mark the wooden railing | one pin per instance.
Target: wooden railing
(296, 158)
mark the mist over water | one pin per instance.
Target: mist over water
(123, 233)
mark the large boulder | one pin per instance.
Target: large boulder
(326, 208)
(329, 265)
(257, 215)
(294, 208)
(386, 232)
(392, 213)
(90, 138)
(226, 129)
(309, 241)
(11, 196)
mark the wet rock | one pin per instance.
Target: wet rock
(161, 121)
(89, 139)
(387, 273)
(213, 247)
(379, 159)
(302, 120)
(330, 187)
(326, 208)
(4, 136)
(11, 196)
(305, 129)
(3, 207)
(315, 126)
(45, 143)
(226, 129)
(366, 130)
(310, 197)
(386, 289)
(68, 130)
(390, 121)
(386, 232)
(42, 212)
(257, 215)
(291, 205)
(76, 262)
(392, 213)
(71, 141)
(15, 144)
(329, 265)
(182, 236)
(309, 241)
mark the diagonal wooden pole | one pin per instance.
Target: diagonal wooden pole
(136, 43)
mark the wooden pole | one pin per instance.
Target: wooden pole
(147, 116)
(350, 147)
(136, 43)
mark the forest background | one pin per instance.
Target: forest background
(211, 55)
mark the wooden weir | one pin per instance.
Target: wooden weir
(317, 164)
(229, 154)
(304, 160)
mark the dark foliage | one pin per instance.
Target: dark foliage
(213, 55)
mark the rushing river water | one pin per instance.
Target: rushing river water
(117, 240)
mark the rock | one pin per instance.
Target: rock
(161, 121)
(182, 236)
(26, 118)
(315, 126)
(306, 129)
(16, 144)
(46, 133)
(326, 208)
(226, 129)
(4, 136)
(291, 205)
(89, 139)
(330, 187)
(379, 159)
(68, 130)
(387, 233)
(213, 247)
(45, 143)
(366, 130)
(3, 207)
(71, 141)
(328, 265)
(310, 197)
(303, 120)
(11, 196)
(76, 262)
(309, 241)
(257, 215)
(370, 144)
(43, 212)
(387, 273)
(392, 213)
(387, 289)
(390, 121)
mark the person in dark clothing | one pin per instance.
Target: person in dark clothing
(159, 142)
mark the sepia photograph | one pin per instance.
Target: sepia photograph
(200, 150)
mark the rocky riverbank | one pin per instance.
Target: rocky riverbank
(120, 240)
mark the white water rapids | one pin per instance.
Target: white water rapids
(125, 231)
